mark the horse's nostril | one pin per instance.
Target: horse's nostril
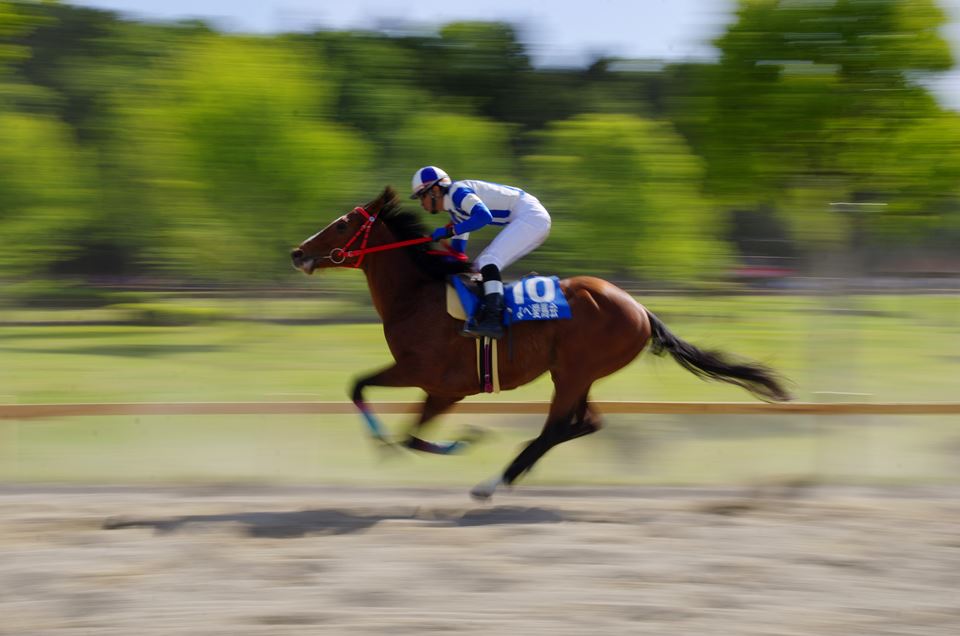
(296, 254)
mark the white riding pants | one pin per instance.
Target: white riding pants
(525, 233)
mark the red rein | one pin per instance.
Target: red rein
(340, 254)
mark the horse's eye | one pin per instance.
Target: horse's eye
(341, 226)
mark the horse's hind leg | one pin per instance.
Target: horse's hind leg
(565, 422)
(584, 422)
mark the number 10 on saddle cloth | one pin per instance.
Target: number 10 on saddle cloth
(530, 298)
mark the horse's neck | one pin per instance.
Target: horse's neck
(394, 281)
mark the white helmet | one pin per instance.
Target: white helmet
(427, 177)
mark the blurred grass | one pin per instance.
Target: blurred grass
(883, 348)
(866, 348)
(648, 449)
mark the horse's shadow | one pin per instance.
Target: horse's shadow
(301, 523)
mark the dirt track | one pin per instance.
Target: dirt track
(270, 561)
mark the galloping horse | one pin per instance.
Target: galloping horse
(407, 283)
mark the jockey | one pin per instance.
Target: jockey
(473, 204)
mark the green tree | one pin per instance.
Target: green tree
(807, 97)
(481, 61)
(18, 24)
(46, 189)
(916, 173)
(375, 78)
(798, 81)
(625, 195)
(13, 25)
(230, 155)
(466, 146)
(174, 149)
(45, 195)
(79, 56)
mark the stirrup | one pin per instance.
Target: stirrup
(487, 321)
(480, 330)
(486, 324)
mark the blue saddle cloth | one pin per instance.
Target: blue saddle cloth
(530, 298)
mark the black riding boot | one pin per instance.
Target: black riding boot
(488, 320)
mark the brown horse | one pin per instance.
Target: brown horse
(607, 331)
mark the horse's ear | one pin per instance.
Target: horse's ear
(386, 197)
(389, 195)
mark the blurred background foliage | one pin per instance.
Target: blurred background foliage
(146, 151)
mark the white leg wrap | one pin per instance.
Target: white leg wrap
(493, 287)
(485, 490)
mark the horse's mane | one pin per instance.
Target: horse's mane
(406, 225)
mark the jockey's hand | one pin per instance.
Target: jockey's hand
(444, 232)
(458, 257)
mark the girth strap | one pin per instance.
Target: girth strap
(488, 365)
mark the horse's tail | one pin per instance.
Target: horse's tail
(713, 365)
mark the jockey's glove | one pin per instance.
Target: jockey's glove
(444, 232)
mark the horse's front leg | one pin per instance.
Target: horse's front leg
(433, 406)
(391, 376)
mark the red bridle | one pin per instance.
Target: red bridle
(340, 254)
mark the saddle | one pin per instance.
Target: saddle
(533, 297)
(488, 364)
(455, 306)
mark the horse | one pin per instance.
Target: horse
(407, 284)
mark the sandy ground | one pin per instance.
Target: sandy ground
(311, 560)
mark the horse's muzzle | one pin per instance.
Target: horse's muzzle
(305, 265)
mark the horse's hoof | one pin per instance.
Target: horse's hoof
(485, 490)
(481, 493)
